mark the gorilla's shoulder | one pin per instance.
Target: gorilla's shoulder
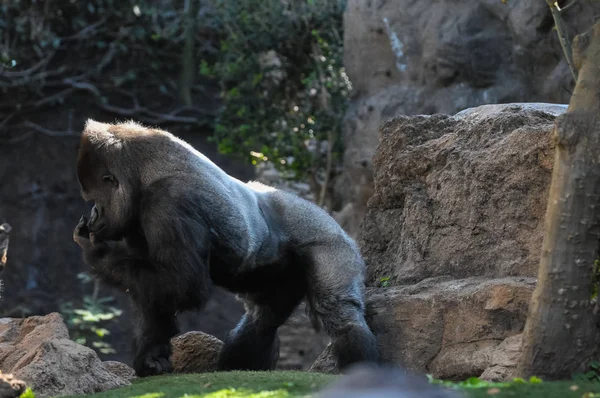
(260, 187)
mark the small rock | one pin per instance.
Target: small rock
(120, 369)
(195, 352)
(326, 362)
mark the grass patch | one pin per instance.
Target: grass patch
(292, 384)
(554, 389)
(285, 384)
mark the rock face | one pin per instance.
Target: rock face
(453, 231)
(38, 351)
(426, 59)
(459, 196)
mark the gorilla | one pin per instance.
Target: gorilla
(4, 238)
(167, 224)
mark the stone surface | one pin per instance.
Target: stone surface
(38, 351)
(195, 352)
(10, 387)
(452, 329)
(452, 237)
(443, 58)
(325, 362)
(503, 360)
(459, 196)
(120, 369)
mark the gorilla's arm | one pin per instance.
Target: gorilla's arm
(115, 262)
(150, 278)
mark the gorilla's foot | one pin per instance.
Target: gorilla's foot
(153, 361)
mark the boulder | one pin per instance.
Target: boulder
(195, 352)
(425, 59)
(120, 369)
(460, 196)
(38, 351)
(452, 237)
(452, 329)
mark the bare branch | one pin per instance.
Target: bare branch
(561, 31)
(28, 79)
(85, 32)
(138, 111)
(52, 133)
(60, 95)
(27, 72)
(565, 8)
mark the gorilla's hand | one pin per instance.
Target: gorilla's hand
(81, 234)
(153, 361)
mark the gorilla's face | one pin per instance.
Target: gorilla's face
(4, 232)
(111, 215)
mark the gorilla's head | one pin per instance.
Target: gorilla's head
(4, 233)
(107, 179)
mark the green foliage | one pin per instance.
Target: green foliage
(87, 323)
(384, 282)
(595, 279)
(122, 56)
(593, 374)
(28, 393)
(7, 62)
(283, 86)
(476, 382)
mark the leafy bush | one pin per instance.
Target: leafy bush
(86, 323)
(283, 85)
(120, 56)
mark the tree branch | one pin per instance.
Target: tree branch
(563, 38)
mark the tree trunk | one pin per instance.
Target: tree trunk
(561, 335)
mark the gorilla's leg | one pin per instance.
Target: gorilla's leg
(156, 325)
(253, 344)
(336, 301)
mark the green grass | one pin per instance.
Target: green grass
(287, 384)
(556, 389)
(291, 384)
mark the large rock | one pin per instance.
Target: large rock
(460, 196)
(508, 49)
(452, 237)
(452, 329)
(442, 58)
(38, 351)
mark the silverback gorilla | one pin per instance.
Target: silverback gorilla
(167, 223)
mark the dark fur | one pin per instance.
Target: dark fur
(171, 223)
(4, 238)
